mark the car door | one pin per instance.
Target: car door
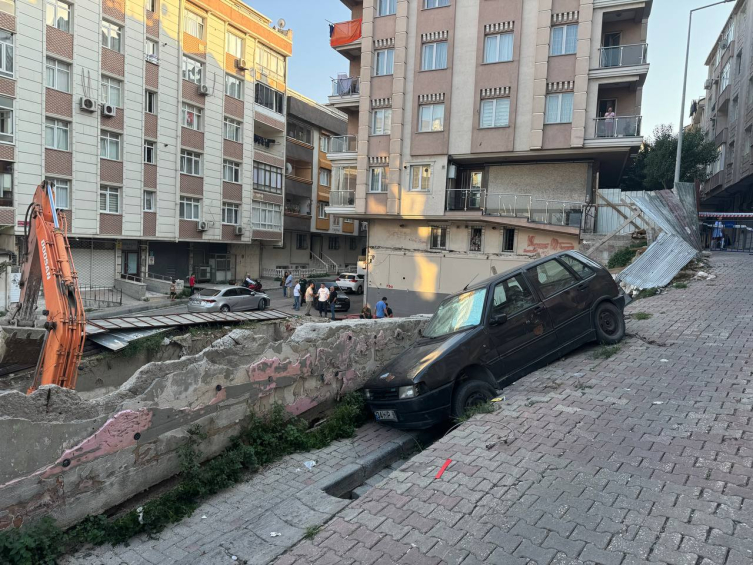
(565, 297)
(518, 326)
(245, 299)
(230, 298)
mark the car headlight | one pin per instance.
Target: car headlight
(405, 392)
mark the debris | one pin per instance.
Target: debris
(204, 517)
(499, 399)
(443, 468)
(309, 464)
(234, 557)
(658, 402)
(140, 512)
(664, 360)
(704, 275)
(274, 534)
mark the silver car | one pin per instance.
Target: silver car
(226, 298)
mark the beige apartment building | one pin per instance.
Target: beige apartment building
(479, 132)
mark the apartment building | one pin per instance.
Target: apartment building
(162, 124)
(313, 241)
(479, 132)
(728, 114)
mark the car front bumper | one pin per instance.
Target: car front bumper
(420, 412)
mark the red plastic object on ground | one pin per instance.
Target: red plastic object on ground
(444, 468)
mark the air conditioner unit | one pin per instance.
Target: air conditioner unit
(204, 90)
(240, 64)
(707, 84)
(109, 110)
(238, 230)
(88, 104)
(201, 225)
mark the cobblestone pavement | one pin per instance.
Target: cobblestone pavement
(644, 457)
(284, 498)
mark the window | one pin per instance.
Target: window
(434, 56)
(564, 40)
(476, 239)
(231, 171)
(111, 36)
(271, 63)
(336, 221)
(6, 119)
(192, 70)
(352, 241)
(151, 49)
(750, 91)
(111, 91)
(268, 97)
(267, 178)
(234, 45)
(719, 163)
(322, 210)
(559, 108)
(149, 198)
(58, 75)
(231, 213)
(150, 152)
(498, 48)
(381, 120)
(333, 242)
(193, 24)
(62, 193)
(109, 199)
(325, 177)
(431, 117)
(150, 102)
(508, 239)
(739, 63)
(378, 179)
(191, 117)
(189, 208)
(733, 111)
(6, 53)
(386, 7)
(59, 15)
(109, 145)
(512, 296)
(232, 130)
(495, 113)
(724, 80)
(234, 87)
(324, 143)
(420, 177)
(552, 278)
(436, 3)
(384, 60)
(747, 142)
(190, 162)
(580, 268)
(299, 132)
(301, 241)
(438, 239)
(56, 134)
(266, 216)
(151, 5)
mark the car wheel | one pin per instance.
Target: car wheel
(469, 394)
(609, 323)
(359, 290)
(262, 304)
(225, 308)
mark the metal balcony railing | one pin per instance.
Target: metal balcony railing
(346, 86)
(509, 205)
(623, 55)
(464, 199)
(342, 198)
(343, 144)
(557, 212)
(620, 126)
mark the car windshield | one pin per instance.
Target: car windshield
(209, 292)
(456, 313)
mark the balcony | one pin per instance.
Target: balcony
(459, 199)
(342, 199)
(297, 213)
(345, 92)
(342, 148)
(615, 132)
(345, 37)
(628, 61)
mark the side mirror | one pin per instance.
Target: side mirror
(498, 319)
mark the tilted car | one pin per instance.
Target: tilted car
(350, 282)
(494, 332)
(226, 298)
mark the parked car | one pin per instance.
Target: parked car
(227, 298)
(492, 333)
(350, 282)
(342, 303)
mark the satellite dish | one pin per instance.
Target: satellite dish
(288, 168)
(281, 23)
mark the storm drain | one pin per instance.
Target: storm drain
(373, 480)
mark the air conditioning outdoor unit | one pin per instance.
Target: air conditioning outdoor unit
(204, 90)
(707, 84)
(108, 110)
(240, 64)
(201, 225)
(238, 230)
(88, 104)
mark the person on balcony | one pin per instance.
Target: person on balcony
(609, 118)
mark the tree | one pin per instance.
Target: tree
(654, 166)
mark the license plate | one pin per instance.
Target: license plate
(385, 415)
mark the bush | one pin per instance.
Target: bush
(642, 315)
(622, 258)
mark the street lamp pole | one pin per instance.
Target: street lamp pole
(684, 85)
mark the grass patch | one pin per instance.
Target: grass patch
(149, 345)
(311, 532)
(483, 408)
(680, 285)
(606, 351)
(646, 293)
(642, 315)
(622, 258)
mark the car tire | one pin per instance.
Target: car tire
(262, 305)
(224, 308)
(609, 323)
(470, 393)
(359, 290)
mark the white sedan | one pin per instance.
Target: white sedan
(350, 282)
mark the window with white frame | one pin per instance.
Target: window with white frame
(109, 199)
(232, 130)
(193, 24)
(378, 179)
(559, 108)
(150, 152)
(267, 178)
(231, 171)
(234, 45)
(58, 15)
(62, 193)
(271, 64)
(384, 62)
(189, 208)
(266, 216)
(190, 117)
(381, 121)
(6, 53)
(109, 145)
(420, 177)
(747, 142)
(564, 40)
(268, 97)
(386, 7)
(335, 221)
(498, 48)
(733, 110)
(724, 80)
(150, 198)
(476, 239)
(508, 239)
(231, 213)
(434, 56)
(436, 3)
(190, 162)
(151, 5)
(431, 117)
(495, 113)
(234, 87)
(112, 36)
(322, 211)
(325, 177)
(6, 120)
(151, 50)
(111, 91)
(58, 75)
(193, 70)
(56, 134)
(718, 165)
(324, 143)
(150, 102)
(438, 238)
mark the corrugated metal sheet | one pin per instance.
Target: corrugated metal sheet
(671, 214)
(659, 263)
(608, 219)
(118, 340)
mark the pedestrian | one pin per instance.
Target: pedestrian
(323, 296)
(288, 285)
(297, 296)
(381, 308)
(366, 313)
(718, 234)
(191, 283)
(282, 282)
(172, 289)
(332, 300)
(309, 298)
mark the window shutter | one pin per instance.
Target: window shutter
(487, 113)
(502, 113)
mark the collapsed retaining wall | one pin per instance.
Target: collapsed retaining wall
(68, 457)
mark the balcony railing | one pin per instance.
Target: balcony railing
(509, 205)
(623, 55)
(620, 126)
(343, 144)
(464, 199)
(342, 198)
(344, 33)
(557, 212)
(525, 206)
(346, 86)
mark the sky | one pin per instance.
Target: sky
(314, 62)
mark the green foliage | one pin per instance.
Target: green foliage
(680, 285)
(149, 345)
(185, 293)
(621, 258)
(263, 441)
(654, 166)
(311, 532)
(470, 412)
(642, 315)
(606, 351)
(646, 293)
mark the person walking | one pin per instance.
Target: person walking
(282, 283)
(309, 298)
(332, 300)
(288, 285)
(172, 289)
(381, 308)
(191, 282)
(718, 234)
(323, 296)
(297, 296)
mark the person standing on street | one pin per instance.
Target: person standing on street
(332, 299)
(323, 295)
(172, 289)
(381, 308)
(282, 283)
(288, 285)
(718, 234)
(191, 282)
(297, 296)
(309, 298)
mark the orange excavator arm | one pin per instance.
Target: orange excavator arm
(48, 263)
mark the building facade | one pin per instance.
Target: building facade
(162, 123)
(479, 132)
(728, 114)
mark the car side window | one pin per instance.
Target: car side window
(580, 268)
(243, 292)
(230, 292)
(512, 296)
(552, 277)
